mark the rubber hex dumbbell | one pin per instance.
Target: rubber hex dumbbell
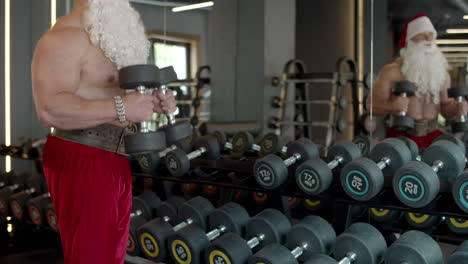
(413, 148)
(17, 202)
(414, 247)
(178, 162)
(460, 124)
(272, 144)
(453, 139)
(460, 256)
(365, 143)
(187, 244)
(37, 208)
(417, 183)
(271, 171)
(401, 121)
(460, 191)
(363, 178)
(315, 176)
(152, 236)
(422, 221)
(243, 142)
(313, 235)
(269, 226)
(170, 208)
(174, 131)
(142, 78)
(149, 162)
(144, 208)
(224, 144)
(457, 225)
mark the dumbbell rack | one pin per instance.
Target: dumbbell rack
(237, 175)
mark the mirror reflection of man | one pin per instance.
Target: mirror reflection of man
(422, 63)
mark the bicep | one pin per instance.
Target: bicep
(383, 86)
(444, 99)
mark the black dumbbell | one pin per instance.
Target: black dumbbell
(417, 183)
(12, 178)
(188, 243)
(224, 144)
(32, 149)
(414, 247)
(453, 139)
(178, 162)
(34, 185)
(152, 236)
(365, 144)
(271, 171)
(384, 215)
(315, 176)
(363, 178)
(269, 226)
(401, 121)
(174, 131)
(313, 235)
(170, 208)
(422, 221)
(142, 78)
(37, 208)
(272, 143)
(149, 161)
(457, 225)
(460, 256)
(243, 142)
(460, 124)
(144, 208)
(52, 217)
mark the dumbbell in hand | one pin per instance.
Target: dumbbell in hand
(460, 124)
(414, 247)
(174, 131)
(188, 243)
(313, 235)
(363, 178)
(178, 162)
(361, 243)
(417, 183)
(142, 78)
(402, 122)
(269, 226)
(152, 236)
(314, 176)
(271, 171)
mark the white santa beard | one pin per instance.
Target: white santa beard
(425, 65)
(116, 28)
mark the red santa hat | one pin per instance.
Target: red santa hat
(418, 24)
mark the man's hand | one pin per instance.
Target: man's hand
(164, 103)
(138, 107)
(400, 104)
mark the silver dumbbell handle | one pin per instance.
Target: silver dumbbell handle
(461, 118)
(349, 259)
(2, 184)
(197, 153)
(183, 224)
(228, 145)
(291, 160)
(215, 233)
(163, 153)
(335, 162)
(256, 240)
(384, 163)
(437, 165)
(136, 213)
(298, 251)
(403, 113)
(13, 187)
(170, 116)
(30, 190)
(144, 126)
(256, 147)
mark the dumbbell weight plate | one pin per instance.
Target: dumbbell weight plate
(148, 161)
(416, 184)
(36, 209)
(271, 144)
(421, 221)
(394, 149)
(52, 217)
(316, 232)
(452, 139)
(230, 248)
(177, 162)
(132, 244)
(145, 142)
(176, 132)
(460, 255)
(450, 154)
(231, 215)
(147, 202)
(365, 143)
(460, 191)
(154, 246)
(221, 137)
(211, 145)
(412, 146)
(322, 259)
(198, 209)
(414, 247)
(270, 222)
(131, 77)
(170, 208)
(273, 254)
(362, 239)
(313, 176)
(361, 179)
(458, 127)
(457, 226)
(268, 170)
(404, 87)
(241, 142)
(402, 123)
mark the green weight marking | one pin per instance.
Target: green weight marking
(265, 175)
(356, 183)
(311, 178)
(411, 188)
(463, 194)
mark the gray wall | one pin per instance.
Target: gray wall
(194, 22)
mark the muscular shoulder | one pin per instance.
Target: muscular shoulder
(391, 71)
(63, 41)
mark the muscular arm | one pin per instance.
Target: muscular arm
(448, 106)
(382, 92)
(56, 69)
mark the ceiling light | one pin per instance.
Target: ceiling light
(194, 6)
(457, 30)
(456, 55)
(452, 41)
(453, 49)
(465, 17)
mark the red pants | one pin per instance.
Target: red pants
(423, 142)
(91, 191)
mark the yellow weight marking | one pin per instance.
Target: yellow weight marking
(378, 213)
(457, 224)
(152, 253)
(418, 219)
(312, 203)
(174, 245)
(217, 253)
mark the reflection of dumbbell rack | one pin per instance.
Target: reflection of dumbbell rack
(299, 108)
